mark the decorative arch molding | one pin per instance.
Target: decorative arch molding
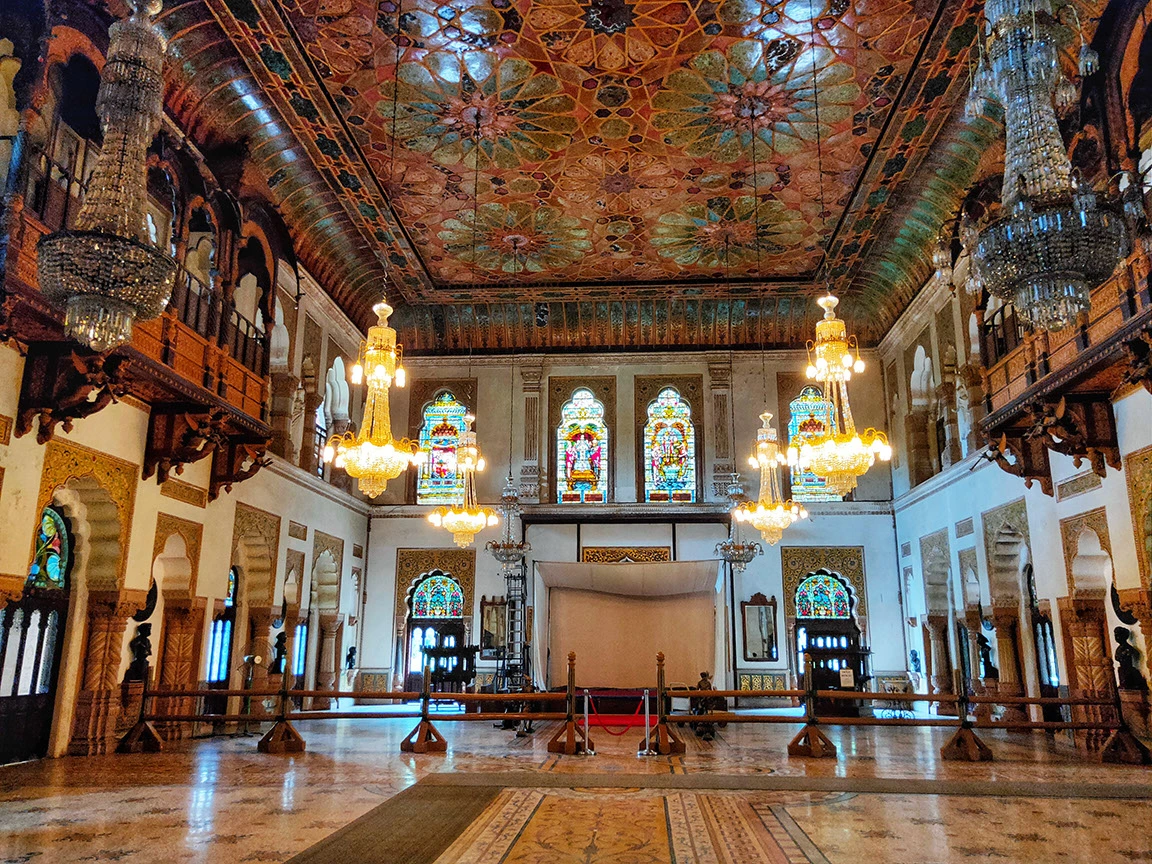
(845, 561)
(1138, 470)
(1005, 533)
(255, 547)
(192, 534)
(1071, 528)
(560, 390)
(67, 463)
(935, 564)
(294, 566)
(327, 580)
(970, 577)
(411, 564)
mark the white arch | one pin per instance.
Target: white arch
(280, 342)
(326, 582)
(1092, 566)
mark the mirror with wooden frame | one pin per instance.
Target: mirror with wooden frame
(759, 618)
(493, 627)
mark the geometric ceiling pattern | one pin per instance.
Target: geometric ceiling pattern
(549, 174)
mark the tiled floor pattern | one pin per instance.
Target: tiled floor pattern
(220, 800)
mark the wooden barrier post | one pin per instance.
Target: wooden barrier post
(663, 739)
(1122, 745)
(142, 737)
(964, 745)
(283, 736)
(425, 738)
(811, 740)
(570, 739)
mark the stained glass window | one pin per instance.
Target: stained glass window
(822, 596)
(811, 415)
(669, 450)
(582, 451)
(230, 597)
(438, 596)
(439, 481)
(50, 557)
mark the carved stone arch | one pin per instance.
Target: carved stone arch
(327, 570)
(1006, 545)
(970, 578)
(936, 565)
(255, 548)
(191, 536)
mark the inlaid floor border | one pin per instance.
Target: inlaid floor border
(777, 783)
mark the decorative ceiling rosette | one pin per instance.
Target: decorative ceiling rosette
(524, 116)
(512, 238)
(618, 181)
(710, 108)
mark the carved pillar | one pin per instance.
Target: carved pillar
(941, 662)
(533, 474)
(1007, 622)
(918, 447)
(179, 658)
(98, 703)
(291, 619)
(260, 643)
(720, 381)
(284, 386)
(973, 625)
(313, 398)
(1090, 673)
(326, 680)
(971, 377)
(946, 406)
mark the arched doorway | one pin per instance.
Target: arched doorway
(435, 620)
(31, 639)
(1044, 641)
(827, 630)
(221, 640)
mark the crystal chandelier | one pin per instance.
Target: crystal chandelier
(103, 271)
(1053, 242)
(770, 514)
(841, 455)
(372, 455)
(466, 519)
(508, 550)
(737, 552)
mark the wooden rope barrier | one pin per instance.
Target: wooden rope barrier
(425, 738)
(811, 740)
(662, 738)
(570, 739)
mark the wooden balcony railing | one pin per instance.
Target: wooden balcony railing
(1021, 365)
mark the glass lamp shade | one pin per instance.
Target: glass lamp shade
(770, 514)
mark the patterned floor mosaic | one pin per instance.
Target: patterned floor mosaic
(218, 800)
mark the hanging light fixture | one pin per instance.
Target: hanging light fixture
(466, 518)
(104, 271)
(1054, 241)
(841, 455)
(508, 550)
(770, 514)
(735, 550)
(371, 455)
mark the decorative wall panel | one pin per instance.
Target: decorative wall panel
(848, 561)
(411, 564)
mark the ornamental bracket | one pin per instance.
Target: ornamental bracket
(62, 384)
(179, 435)
(235, 461)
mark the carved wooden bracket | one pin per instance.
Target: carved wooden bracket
(62, 384)
(1023, 457)
(1082, 427)
(1139, 353)
(179, 435)
(235, 461)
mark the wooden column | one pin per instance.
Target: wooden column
(179, 661)
(1090, 674)
(1007, 622)
(941, 662)
(326, 680)
(973, 626)
(533, 475)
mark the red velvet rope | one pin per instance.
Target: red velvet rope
(625, 730)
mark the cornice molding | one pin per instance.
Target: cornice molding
(663, 359)
(929, 300)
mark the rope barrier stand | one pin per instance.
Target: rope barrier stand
(425, 738)
(1122, 746)
(811, 740)
(142, 737)
(570, 739)
(663, 736)
(283, 737)
(964, 745)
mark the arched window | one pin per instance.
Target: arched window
(582, 451)
(669, 449)
(439, 482)
(822, 596)
(49, 567)
(810, 416)
(220, 638)
(438, 596)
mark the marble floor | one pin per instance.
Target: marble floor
(737, 799)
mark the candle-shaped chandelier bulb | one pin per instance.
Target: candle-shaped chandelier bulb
(770, 514)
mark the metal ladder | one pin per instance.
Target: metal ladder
(516, 663)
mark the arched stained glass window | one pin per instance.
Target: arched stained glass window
(811, 415)
(438, 596)
(669, 450)
(439, 481)
(822, 596)
(582, 451)
(50, 556)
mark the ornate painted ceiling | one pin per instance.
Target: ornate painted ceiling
(599, 173)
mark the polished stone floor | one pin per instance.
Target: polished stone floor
(738, 799)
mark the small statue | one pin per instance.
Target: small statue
(279, 653)
(350, 659)
(141, 648)
(1128, 662)
(705, 705)
(990, 671)
(914, 660)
